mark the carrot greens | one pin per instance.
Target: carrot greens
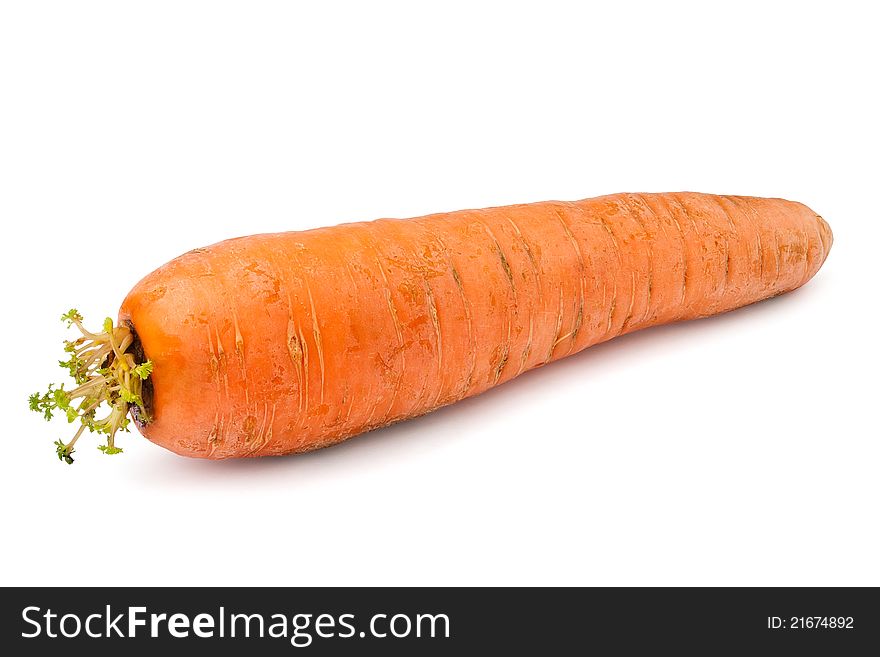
(107, 378)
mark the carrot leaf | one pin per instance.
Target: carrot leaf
(64, 452)
(71, 316)
(143, 370)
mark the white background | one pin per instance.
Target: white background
(736, 450)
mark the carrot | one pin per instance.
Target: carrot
(287, 342)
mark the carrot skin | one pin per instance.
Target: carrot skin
(287, 342)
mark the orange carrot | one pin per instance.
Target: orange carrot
(287, 342)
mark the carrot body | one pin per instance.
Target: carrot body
(288, 342)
